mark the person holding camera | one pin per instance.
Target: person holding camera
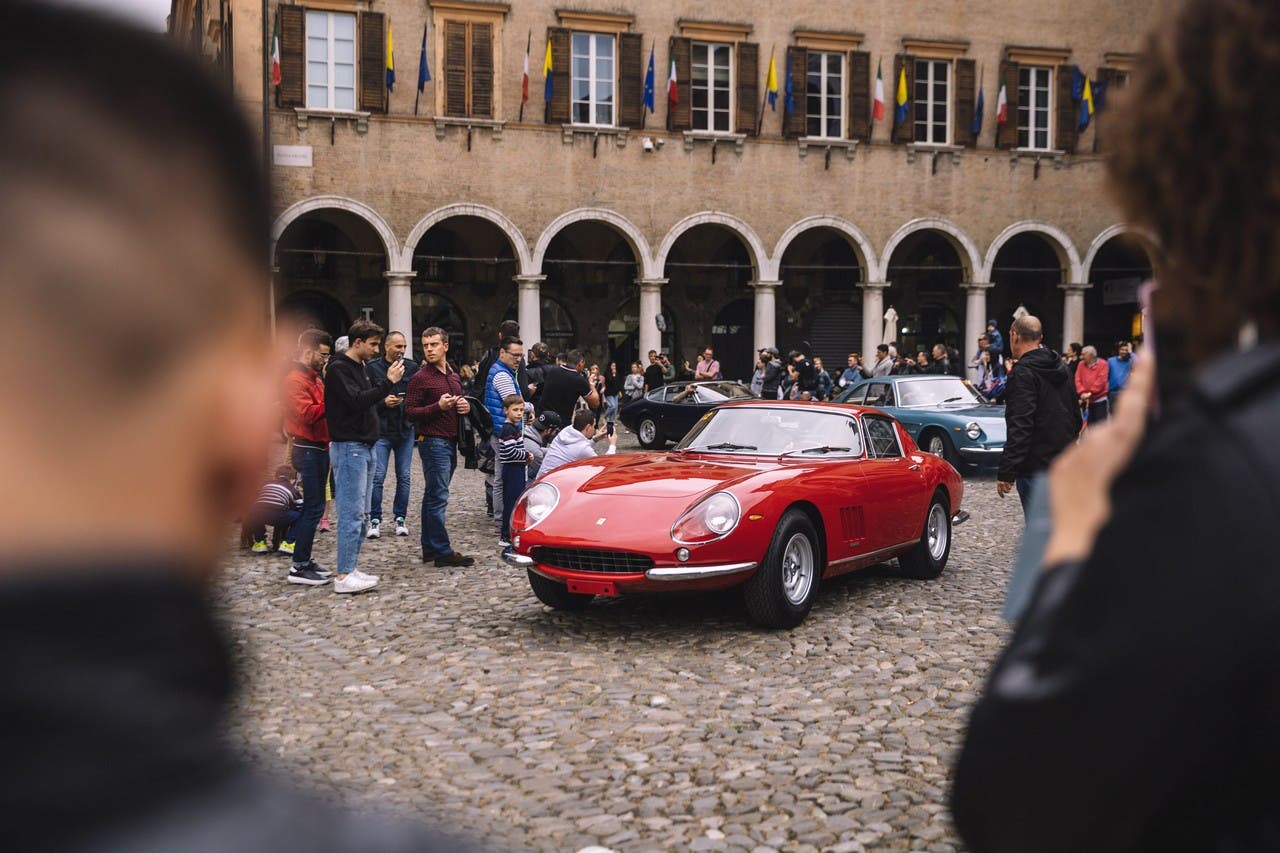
(654, 377)
(395, 436)
(576, 442)
(434, 404)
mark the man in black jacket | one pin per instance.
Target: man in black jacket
(395, 436)
(1040, 413)
(351, 401)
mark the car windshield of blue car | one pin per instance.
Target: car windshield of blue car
(774, 431)
(939, 391)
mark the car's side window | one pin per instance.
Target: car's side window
(876, 393)
(882, 438)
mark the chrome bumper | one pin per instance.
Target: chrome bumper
(980, 452)
(690, 573)
(520, 561)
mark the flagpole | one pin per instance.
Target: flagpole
(765, 100)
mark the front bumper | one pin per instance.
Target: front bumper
(658, 573)
(981, 454)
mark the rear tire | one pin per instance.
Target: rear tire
(782, 591)
(928, 558)
(557, 595)
(648, 434)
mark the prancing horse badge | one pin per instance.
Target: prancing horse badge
(600, 521)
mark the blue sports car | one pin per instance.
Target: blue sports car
(944, 414)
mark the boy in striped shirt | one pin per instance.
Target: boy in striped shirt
(513, 459)
(279, 504)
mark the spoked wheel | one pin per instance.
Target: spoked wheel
(781, 592)
(929, 556)
(648, 434)
(937, 444)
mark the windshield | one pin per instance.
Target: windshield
(773, 431)
(719, 392)
(942, 391)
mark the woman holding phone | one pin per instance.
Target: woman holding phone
(1135, 706)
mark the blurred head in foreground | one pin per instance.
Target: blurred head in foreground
(1194, 166)
(133, 228)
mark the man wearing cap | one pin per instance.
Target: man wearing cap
(773, 373)
(537, 435)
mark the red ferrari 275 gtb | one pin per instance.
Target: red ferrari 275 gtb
(771, 496)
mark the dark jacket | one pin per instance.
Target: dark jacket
(350, 398)
(774, 373)
(392, 423)
(115, 713)
(1040, 413)
(1134, 708)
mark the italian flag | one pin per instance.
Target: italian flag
(1002, 106)
(673, 97)
(877, 109)
(275, 52)
(524, 83)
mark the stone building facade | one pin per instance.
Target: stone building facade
(720, 219)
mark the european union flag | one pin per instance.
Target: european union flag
(648, 83)
(977, 115)
(789, 93)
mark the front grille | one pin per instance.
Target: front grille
(589, 560)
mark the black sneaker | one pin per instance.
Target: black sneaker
(316, 568)
(453, 558)
(308, 577)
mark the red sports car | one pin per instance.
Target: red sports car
(771, 496)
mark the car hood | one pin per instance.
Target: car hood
(657, 475)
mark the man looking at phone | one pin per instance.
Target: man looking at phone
(575, 442)
(350, 401)
(395, 435)
(1041, 415)
(434, 403)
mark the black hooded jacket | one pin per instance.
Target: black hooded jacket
(1040, 413)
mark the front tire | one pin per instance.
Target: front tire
(648, 434)
(938, 444)
(782, 591)
(557, 595)
(928, 558)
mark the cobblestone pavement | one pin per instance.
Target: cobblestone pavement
(645, 723)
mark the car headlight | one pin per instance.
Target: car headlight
(534, 505)
(714, 517)
(973, 430)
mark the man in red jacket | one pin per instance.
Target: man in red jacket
(304, 419)
(1092, 378)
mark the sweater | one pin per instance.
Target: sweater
(351, 399)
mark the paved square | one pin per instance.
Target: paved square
(642, 724)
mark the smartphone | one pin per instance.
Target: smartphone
(400, 394)
(608, 430)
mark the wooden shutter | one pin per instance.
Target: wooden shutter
(904, 131)
(748, 88)
(796, 123)
(860, 95)
(630, 96)
(373, 63)
(1066, 114)
(481, 70)
(1007, 135)
(680, 117)
(292, 91)
(455, 68)
(557, 109)
(1106, 76)
(962, 99)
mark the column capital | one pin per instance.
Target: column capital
(764, 284)
(400, 276)
(652, 284)
(976, 285)
(874, 285)
(525, 282)
(1076, 286)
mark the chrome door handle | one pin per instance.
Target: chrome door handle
(913, 467)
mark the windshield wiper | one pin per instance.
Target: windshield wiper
(950, 400)
(729, 445)
(826, 448)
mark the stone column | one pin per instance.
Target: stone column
(975, 317)
(650, 308)
(872, 315)
(271, 300)
(1073, 312)
(400, 306)
(766, 313)
(529, 308)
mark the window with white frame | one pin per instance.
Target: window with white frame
(592, 71)
(825, 94)
(933, 101)
(711, 85)
(1034, 86)
(331, 60)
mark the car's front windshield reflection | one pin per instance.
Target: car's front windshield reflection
(773, 431)
(943, 391)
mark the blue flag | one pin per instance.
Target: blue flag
(789, 92)
(648, 83)
(1099, 95)
(424, 72)
(977, 115)
(1077, 83)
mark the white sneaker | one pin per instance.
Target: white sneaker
(373, 533)
(402, 529)
(354, 583)
(364, 576)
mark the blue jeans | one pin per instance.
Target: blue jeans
(439, 459)
(352, 480)
(403, 449)
(611, 409)
(1023, 485)
(313, 465)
